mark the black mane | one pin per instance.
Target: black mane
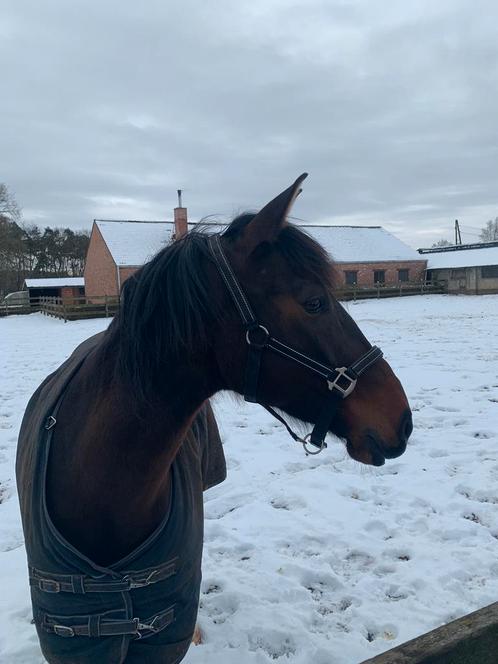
(167, 309)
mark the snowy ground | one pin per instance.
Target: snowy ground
(317, 559)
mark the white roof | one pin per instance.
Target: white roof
(362, 244)
(462, 258)
(54, 282)
(135, 242)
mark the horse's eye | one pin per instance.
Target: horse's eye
(314, 305)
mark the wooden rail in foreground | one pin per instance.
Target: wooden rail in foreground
(77, 308)
(472, 639)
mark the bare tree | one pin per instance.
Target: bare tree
(8, 205)
(490, 232)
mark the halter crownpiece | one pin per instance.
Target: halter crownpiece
(341, 381)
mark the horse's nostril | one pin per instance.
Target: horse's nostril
(406, 427)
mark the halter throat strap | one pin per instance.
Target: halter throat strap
(341, 381)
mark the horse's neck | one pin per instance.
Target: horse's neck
(110, 488)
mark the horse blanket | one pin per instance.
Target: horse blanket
(142, 608)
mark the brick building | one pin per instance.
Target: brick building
(369, 255)
(118, 248)
(365, 255)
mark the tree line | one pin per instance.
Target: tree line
(29, 251)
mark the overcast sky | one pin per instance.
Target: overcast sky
(107, 107)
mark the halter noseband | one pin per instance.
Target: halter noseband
(341, 381)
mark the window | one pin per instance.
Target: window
(379, 277)
(489, 272)
(404, 275)
(457, 274)
(351, 277)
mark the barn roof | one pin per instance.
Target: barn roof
(133, 243)
(54, 282)
(362, 244)
(455, 257)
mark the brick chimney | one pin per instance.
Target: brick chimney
(180, 216)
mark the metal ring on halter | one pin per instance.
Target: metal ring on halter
(305, 442)
(257, 328)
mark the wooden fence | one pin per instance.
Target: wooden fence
(472, 639)
(391, 290)
(77, 308)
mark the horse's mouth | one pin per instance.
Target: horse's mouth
(369, 453)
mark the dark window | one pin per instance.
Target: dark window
(351, 277)
(379, 277)
(489, 272)
(458, 274)
(403, 275)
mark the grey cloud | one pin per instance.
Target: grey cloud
(391, 108)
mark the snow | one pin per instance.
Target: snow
(462, 258)
(133, 243)
(54, 282)
(316, 559)
(362, 244)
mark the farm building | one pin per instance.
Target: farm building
(369, 255)
(118, 248)
(366, 255)
(63, 287)
(467, 268)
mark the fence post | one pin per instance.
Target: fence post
(106, 307)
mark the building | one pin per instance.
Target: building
(369, 255)
(365, 255)
(118, 248)
(63, 287)
(467, 268)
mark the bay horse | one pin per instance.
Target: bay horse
(117, 446)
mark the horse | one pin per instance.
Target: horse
(118, 444)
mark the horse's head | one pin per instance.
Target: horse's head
(289, 282)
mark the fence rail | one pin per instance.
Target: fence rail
(391, 290)
(472, 639)
(100, 306)
(77, 308)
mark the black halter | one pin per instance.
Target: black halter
(341, 381)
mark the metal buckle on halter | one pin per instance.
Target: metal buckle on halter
(253, 342)
(334, 384)
(307, 440)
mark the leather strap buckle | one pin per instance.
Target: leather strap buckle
(334, 384)
(63, 630)
(49, 585)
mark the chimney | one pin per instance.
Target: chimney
(180, 215)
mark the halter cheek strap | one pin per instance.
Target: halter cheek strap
(341, 381)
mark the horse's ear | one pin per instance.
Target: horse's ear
(269, 220)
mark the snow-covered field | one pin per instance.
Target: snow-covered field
(317, 559)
